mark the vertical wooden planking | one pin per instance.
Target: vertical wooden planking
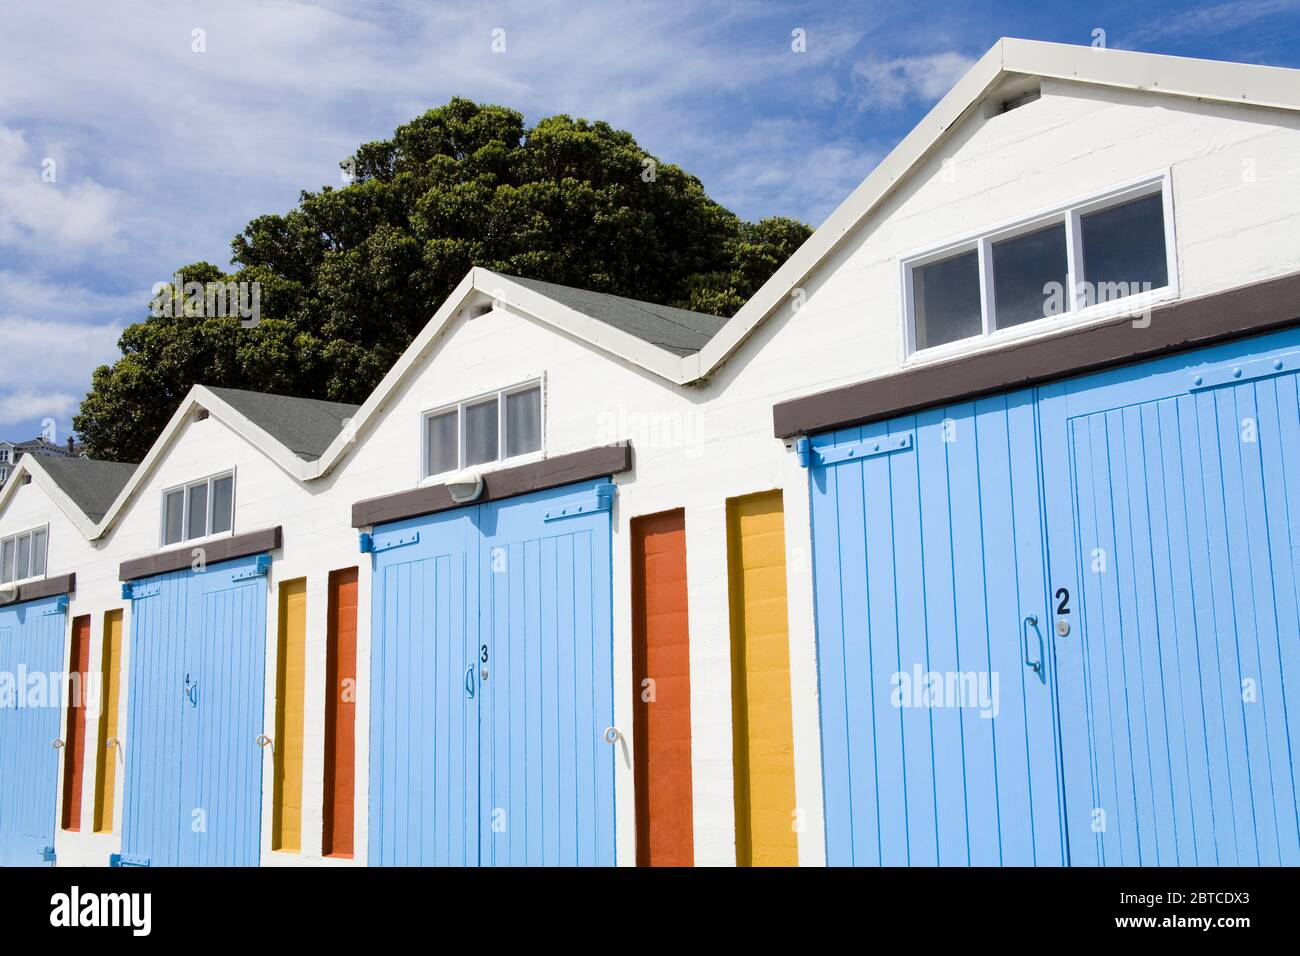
(106, 756)
(970, 617)
(936, 431)
(763, 731)
(74, 741)
(661, 691)
(340, 712)
(286, 826)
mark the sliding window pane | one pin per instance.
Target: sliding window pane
(1030, 273)
(7, 559)
(197, 525)
(173, 517)
(1124, 249)
(223, 499)
(441, 453)
(38, 553)
(523, 422)
(946, 295)
(22, 569)
(481, 443)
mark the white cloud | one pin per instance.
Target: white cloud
(28, 406)
(1213, 18)
(54, 214)
(898, 82)
(48, 355)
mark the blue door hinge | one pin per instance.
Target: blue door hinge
(1244, 371)
(46, 853)
(601, 499)
(127, 859)
(370, 544)
(260, 569)
(853, 451)
(60, 606)
(133, 592)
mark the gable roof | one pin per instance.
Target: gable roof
(679, 331)
(83, 489)
(1215, 80)
(91, 485)
(305, 426)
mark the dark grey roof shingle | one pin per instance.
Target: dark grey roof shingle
(305, 426)
(680, 331)
(92, 485)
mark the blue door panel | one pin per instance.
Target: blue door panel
(1151, 514)
(152, 817)
(424, 731)
(927, 560)
(493, 676)
(546, 773)
(224, 716)
(193, 794)
(1171, 499)
(32, 656)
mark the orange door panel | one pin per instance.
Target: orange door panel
(661, 667)
(74, 743)
(340, 714)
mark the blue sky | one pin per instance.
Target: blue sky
(161, 154)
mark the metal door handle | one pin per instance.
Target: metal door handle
(262, 740)
(469, 681)
(56, 743)
(192, 692)
(1030, 621)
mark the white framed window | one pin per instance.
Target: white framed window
(4, 455)
(500, 425)
(23, 556)
(199, 509)
(1094, 256)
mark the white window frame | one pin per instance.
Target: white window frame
(184, 489)
(500, 394)
(28, 533)
(1070, 213)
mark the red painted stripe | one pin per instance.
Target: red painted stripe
(662, 726)
(340, 714)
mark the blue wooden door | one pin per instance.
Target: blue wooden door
(222, 716)
(195, 698)
(1173, 506)
(936, 691)
(547, 774)
(424, 716)
(492, 678)
(153, 818)
(31, 660)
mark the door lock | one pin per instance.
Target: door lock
(1063, 627)
(483, 674)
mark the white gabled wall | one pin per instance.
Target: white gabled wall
(1236, 182)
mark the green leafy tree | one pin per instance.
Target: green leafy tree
(349, 276)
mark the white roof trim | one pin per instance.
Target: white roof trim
(200, 397)
(478, 285)
(30, 465)
(1241, 83)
